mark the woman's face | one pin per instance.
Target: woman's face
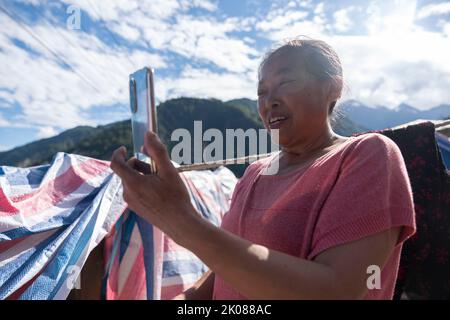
(291, 100)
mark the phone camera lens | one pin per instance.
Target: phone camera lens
(133, 101)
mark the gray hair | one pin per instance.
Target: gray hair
(322, 62)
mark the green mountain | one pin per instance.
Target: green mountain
(101, 141)
(341, 124)
(41, 151)
(247, 106)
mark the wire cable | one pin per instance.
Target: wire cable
(20, 22)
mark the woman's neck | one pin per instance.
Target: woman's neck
(312, 146)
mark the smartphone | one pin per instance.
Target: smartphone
(143, 111)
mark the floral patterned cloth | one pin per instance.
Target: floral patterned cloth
(425, 263)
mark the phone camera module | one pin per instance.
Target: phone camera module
(133, 99)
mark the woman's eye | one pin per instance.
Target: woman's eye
(286, 82)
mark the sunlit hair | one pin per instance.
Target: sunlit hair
(320, 60)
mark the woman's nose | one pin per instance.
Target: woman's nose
(272, 101)
(274, 104)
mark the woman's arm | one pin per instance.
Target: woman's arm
(261, 273)
(201, 290)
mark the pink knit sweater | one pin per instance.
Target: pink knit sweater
(358, 189)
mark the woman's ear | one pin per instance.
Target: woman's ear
(335, 89)
(331, 107)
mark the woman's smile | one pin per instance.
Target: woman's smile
(275, 122)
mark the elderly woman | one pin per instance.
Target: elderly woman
(329, 224)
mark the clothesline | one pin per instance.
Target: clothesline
(440, 125)
(225, 162)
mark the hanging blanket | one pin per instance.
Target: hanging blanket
(53, 216)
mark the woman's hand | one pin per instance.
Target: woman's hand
(160, 198)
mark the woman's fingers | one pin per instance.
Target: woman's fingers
(139, 165)
(121, 167)
(156, 150)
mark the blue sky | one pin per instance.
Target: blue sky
(55, 76)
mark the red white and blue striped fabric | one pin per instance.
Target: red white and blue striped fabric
(53, 216)
(142, 257)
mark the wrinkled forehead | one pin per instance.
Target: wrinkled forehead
(285, 61)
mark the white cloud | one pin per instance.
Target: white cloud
(433, 9)
(284, 22)
(114, 10)
(319, 10)
(396, 61)
(4, 122)
(306, 3)
(302, 28)
(14, 122)
(342, 21)
(446, 29)
(46, 132)
(32, 2)
(206, 39)
(126, 31)
(6, 95)
(53, 94)
(391, 18)
(203, 83)
(204, 4)
(165, 25)
(382, 70)
(279, 19)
